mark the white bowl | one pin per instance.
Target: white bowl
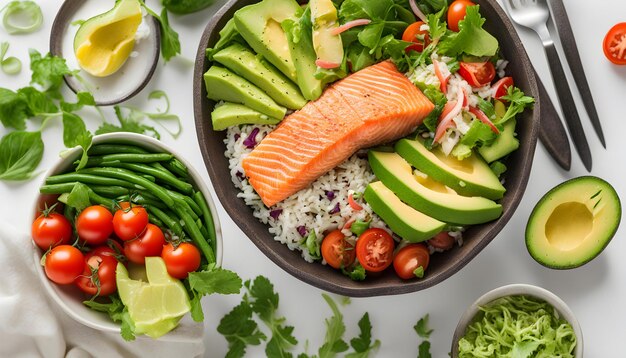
(514, 290)
(69, 297)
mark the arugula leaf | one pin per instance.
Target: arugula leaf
(216, 280)
(79, 197)
(76, 134)
(128, 124)
(362, 344)
(21, 154)
(240, 330)
(13, 109)
(170, 44)
(421, 327)
(335, 329)
(518, 102)
(48, 72)
(471, 39)
(359, 57)
(424, 350)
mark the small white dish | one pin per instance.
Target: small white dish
(131, 78)
(69, 297)
(515, 290)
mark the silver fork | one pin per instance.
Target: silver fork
(534, 15)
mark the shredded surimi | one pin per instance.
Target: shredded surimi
(348, 25)
(444, 124)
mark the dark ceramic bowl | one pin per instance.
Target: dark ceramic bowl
(441, 266)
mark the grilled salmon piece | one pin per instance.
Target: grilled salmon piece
(373, 106)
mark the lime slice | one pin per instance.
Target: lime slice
(126, 287)
(156, 271)
(158, 329)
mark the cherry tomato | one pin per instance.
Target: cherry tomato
(374, 249)
(50, 230)
(63, 264)
(409, 258)
(182, 260)
(456, 13)
(98, 270)
(337, 251)
(500, 87)
(94, 225)
(111, 249)
(477, 74)
(130, 221)
(413, 33)
(442, 241)
(150, 243)
(614, 44)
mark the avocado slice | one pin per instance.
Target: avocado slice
(504, 144)
(260, 25)
(247, 64)
(223, 85)
(328, 47)
(406, 222)
(573, 223)
(428, 196)
(468, 177)
(104, 42)
(234, 114)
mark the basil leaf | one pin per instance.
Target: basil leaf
(20, 154)
(76, 134)
(79, 197)
(13, 109)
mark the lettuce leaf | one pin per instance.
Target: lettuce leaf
(471, 39)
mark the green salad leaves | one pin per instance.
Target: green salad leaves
(471, 39)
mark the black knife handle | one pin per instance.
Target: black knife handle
(568, 106)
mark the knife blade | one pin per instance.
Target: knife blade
(568, 42)
(551, 130)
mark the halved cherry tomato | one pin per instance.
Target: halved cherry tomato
(500, 88)
(456, 13)
(64, 263)
(409, 259)
(337, 251)
(182, 260)
(150, 243)
(94, 225)
(50, 230)
(414, 33)
(477, 74)
(99, 271)
(130, 221)
(442, 241)
(614, 44)
(374, 249)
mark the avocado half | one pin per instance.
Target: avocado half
(573, 223)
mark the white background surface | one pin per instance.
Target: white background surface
(596, 292)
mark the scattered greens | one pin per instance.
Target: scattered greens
(186, 6)
(518, 326)
(9, 65)
(118, 313)
(20, 153)
(471, 39)
(518, 102)
(21, 10)
(422, 330)
(335, 329)
(170, 44)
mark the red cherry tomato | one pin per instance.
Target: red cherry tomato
(50, 230)
(456, 13)
(413, 33)
(130, 221)
(182, 260)
(500, 87)
(374, 249)
(477, 74)
(409, 258)
(337, 251)
(150, 243)
(94, 225)
(63, 264)
(614, 44)
(442, 241)
(98, 270)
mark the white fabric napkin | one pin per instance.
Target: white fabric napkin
(31, 325)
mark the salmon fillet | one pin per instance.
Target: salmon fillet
(373, 106)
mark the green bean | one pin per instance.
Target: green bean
(141, 200)
(148, 177)
(177, 167)
(188, 201)
(195, 234)
(156, 221)
(160, 167)
(129, 158)
(57, 188)
(110, 191)
(202, 228)
(165, 176)
(104, 149)
(100, 200)
(131, 177)
(91, 179)
(208, 218)
(171, 223)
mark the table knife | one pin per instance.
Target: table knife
(564, 30)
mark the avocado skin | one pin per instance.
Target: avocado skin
(223, 85)
(234, 114)
(446, 212)
(530, 235)
(248, 65)
(504, 144)
(406, 149)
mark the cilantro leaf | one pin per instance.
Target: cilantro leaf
(362, 344)
(170, 44)
(518, 102)
(13, 109)
(335, 329)
(48, 72)
(21, 154)
(240, 330)
(118, 313)
(424, 350)
(76, 134)
(129, 123)
(471, 39)
(357, 273)
(421, 327)
(216, 280)
(478, 134)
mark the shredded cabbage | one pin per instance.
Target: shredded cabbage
(518, 327)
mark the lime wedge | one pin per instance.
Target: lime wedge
(126, 287)
(156, 271)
